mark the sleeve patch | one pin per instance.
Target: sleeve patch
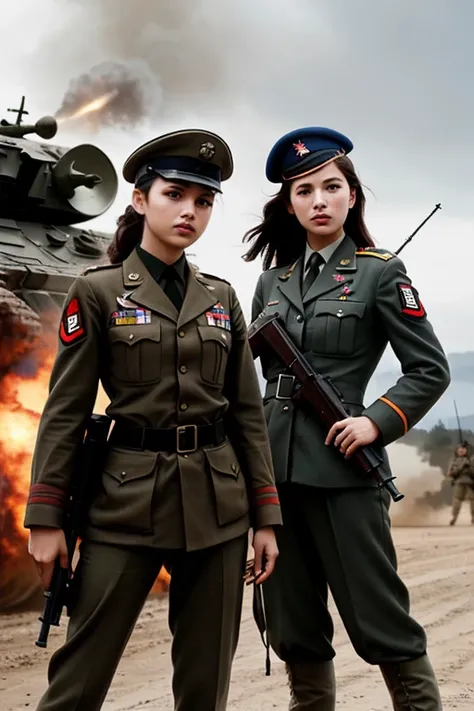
(410, 301)
(72, 327)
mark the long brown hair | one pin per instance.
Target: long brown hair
(129, 232)
(282, 238)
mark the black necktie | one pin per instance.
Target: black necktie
(312, 271)
(171, 288)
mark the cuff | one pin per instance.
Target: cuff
(43, 515)
(389, 418)
(45, 506)
(266, 507)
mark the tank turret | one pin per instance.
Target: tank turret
(46, 192)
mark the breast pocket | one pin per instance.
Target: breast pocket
(124, 501)
(215, 347)
(135, 353)
(333, 327)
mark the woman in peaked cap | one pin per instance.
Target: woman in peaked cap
(342, 301)
(188, 468)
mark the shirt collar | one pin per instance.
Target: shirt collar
(326, 252)
(156, 266)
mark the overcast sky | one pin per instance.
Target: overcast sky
(395, 76)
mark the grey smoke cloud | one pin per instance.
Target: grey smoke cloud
(395, 77)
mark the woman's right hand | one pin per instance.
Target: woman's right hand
(45, 545)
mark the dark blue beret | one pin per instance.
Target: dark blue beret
(303, 150)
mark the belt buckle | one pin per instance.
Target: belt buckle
(181, 434)
(285, 385)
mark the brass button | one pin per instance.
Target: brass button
(134, 276)
(181, 334)
(184, 406)
(183, 369)
(123, 474)
(131, 336)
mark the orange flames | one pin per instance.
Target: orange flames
(22, 396)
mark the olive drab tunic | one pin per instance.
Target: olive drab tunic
(160, 369)
(361, 301)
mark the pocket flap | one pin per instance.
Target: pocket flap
(223, 460)
(126, 464)
(136, 333)
(340, 308)
(215, 333)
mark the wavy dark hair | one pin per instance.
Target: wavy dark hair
(282, 238)
(129, 232)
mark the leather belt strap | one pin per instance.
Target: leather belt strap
(283, 388)
(183, 439)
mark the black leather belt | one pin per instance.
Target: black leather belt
(183, 440)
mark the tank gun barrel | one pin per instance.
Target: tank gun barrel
(46, 127)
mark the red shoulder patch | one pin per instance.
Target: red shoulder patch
(411, 304)
(72, 328)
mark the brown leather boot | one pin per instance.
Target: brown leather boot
(412, 685)
(312, 686)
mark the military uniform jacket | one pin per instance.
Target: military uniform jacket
(160, 370)
(461, 470)
(361, 301)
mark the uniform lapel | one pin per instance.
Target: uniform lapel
(289, 284)
(332, 277)
(142, 288)
(199, 297)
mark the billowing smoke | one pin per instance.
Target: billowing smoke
(207, 54)
(422, 484)
(129, 92)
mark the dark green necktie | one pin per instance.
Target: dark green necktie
(312, 271)
(171, 288)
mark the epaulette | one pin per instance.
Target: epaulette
(374, 252)
(99, 267)
(212, 276)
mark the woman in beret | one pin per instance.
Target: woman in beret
(188, 467)
(342, 301)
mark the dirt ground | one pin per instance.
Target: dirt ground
(437, 563)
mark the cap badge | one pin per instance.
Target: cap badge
(207, 150)
(300, 149)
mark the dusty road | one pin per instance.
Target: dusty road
(437, 563)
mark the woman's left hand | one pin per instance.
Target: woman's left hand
(266, 553)
(353, 432)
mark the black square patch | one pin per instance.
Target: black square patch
(410, 301)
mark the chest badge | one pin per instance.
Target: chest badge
(218, 316)
(130, 317)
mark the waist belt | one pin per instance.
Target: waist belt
(283, 388)
(183, 439)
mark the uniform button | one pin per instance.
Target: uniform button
(131, 336)
(123, 474)
(299, 318)
(181, 334)
(285, 408)
(234, 467)
(184, 406)
(183, 369)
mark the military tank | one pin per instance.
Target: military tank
(46, 192)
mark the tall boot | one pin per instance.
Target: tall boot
(412, 685)
(312, 686)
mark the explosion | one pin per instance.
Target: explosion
(111, 94)
(22, 396)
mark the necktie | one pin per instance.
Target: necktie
(171, 287)
(312, 271)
